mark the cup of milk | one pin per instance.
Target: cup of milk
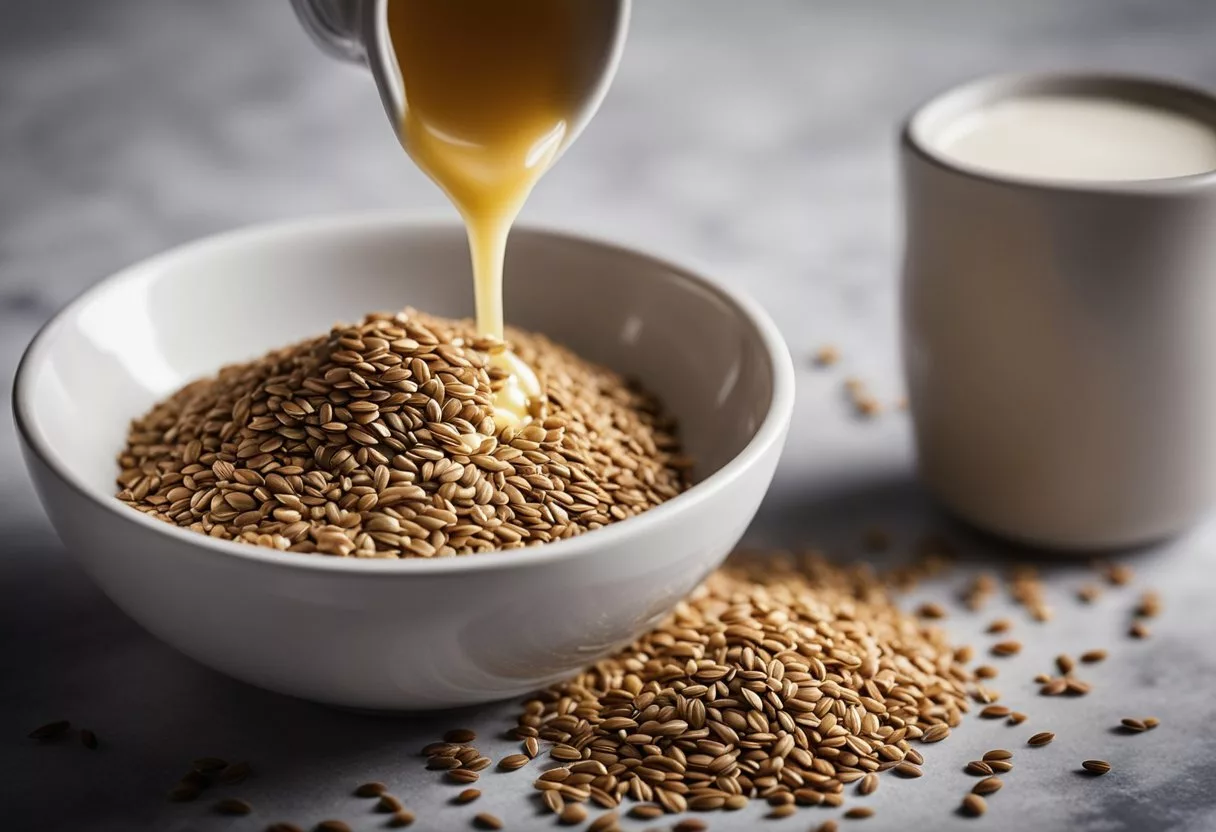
(1059, 305)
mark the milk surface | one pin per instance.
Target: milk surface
(1072, 137)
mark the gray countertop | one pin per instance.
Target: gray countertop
(754, 137)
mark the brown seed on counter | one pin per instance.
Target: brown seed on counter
(1119, 574)
(1000, 766)
(987, 786)
(997, 754)
(235, 773)
(50, 731)
(1096, 767)
(1065, 663)
(1000, 625)
(974, 805)
(826, 356)
(232, 806)
(1017, 718)
(487, 821)
(986, 671)
(995, 712)
(572, 814)
(1130, 724)
(1138, 630)
(531, 747)
(373, 789)
(1088, 594)
(979, 768)
(1040, 739)
(460, 736)
(690, 825)
(332, 826)
(512, 762)
(401, 819)
(1151, 722)
(1150, 604)
(859, 813)
(463, 776)
(604, 822)
(828, 826)
(1093, 656)
(389, 804)
(931, 610)
(1006, 648)
(783, 811)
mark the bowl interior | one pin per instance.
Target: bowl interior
(142, 334)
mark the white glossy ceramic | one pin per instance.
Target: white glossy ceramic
(412, 633)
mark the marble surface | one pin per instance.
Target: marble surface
(756, 138)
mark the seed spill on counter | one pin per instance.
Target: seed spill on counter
(1093, 656)
(1040, 739)
(780, 681)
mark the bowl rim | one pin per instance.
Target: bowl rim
(770, 431)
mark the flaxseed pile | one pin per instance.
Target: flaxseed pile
(783, 679)
(377, 440)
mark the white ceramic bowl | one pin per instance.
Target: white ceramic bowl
(414, 633)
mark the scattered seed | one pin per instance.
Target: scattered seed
(209, 765)
(908, 770)
(997, 754)
(50, 731)
(513, 762)
(1096, 767)
(553, 801)
(234, 773)
(995, 712)
(373, 789)
(1088, 594)
(931, 610)
(1006, 648)
(974, 805)
(868, 784)
(1054, 688)
(987, 786)
(826, 356)
(1150, 604)
(572, 814)
(1041, 738)
(1000, 625)
(332, 826)
(1134, 724)
(460, 736)
(442, 763)
(859, 813)
(979, 768)
(88, 739)
(604, 822)
(184, 792)
(403, 818)
(646, 811)
(1151, 722)
(986, 671)
(828, 826)
(1093, 656)
(1017, 718)
(1000, 766)
(1042, 678)
(783, 811)
(936, 733)
(466, 796)
(1065, 663)
(1138, 630)
(477, 764)
(389, 804)
(485, 820)
(232, 806)
(463, 776)
(531, 747)
(690, 825)
(1075, 687)
(1120, 574)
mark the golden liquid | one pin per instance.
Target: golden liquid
(490, 87)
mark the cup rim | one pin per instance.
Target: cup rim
(770, 431)
(1173, 94)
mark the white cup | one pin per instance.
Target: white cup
(1060, 336)
(357, 31)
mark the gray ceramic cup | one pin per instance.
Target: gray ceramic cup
(1060, 337)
